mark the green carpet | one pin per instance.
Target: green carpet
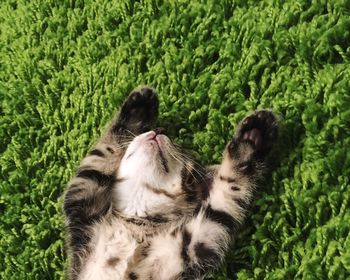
(65, 68)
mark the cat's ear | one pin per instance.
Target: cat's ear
(139, 112)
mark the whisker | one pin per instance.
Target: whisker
(122, 146)
(194, 164)
(133, 134)
(182, 158)
(125, 138)
(173, 155)
(124, 143)
(177, 158)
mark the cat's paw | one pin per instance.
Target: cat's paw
(255, 137)
(260, 129)
(139, 111)
(141, 103)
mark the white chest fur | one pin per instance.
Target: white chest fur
(112, 249)
(135, 199)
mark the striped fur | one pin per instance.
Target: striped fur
(139, 209)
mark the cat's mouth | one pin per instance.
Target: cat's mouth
(158, 139)
(163, 161)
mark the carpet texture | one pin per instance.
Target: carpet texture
(66, 66)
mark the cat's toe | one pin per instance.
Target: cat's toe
(142, 101)
(260, 130)
(145, 95)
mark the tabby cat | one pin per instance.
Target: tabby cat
(139, 208)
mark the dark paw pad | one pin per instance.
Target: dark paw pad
(140, 110)
(260, 130)
(141, 104)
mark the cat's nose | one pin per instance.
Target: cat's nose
(159, 130)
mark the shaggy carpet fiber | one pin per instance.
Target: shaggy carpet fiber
(66, 66)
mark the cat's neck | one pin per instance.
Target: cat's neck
(137, 197)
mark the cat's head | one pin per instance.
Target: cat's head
(151, 154)
(153, 162)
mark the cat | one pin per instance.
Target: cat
(139, 208)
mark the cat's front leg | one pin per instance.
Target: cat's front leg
(88, 197)
(206, 238)
(243, 163)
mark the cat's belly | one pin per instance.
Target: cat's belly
(112, 247)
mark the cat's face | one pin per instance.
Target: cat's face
(156, 178)
(152, 158)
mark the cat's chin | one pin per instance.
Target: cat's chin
(154, 144)
(154, 138)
